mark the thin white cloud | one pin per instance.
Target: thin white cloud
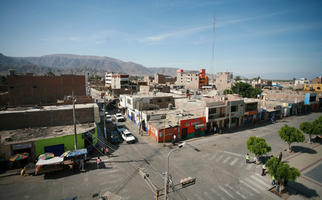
(194, 30)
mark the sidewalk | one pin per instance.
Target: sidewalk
(304, 162)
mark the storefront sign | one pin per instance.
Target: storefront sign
(21, 146)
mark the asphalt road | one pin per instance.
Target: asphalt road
(216, 161)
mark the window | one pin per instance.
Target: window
(129, 101)
(212, 111)
(233, 109)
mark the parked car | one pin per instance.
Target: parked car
(108, 118)
(119, 128)
(127, 136)
(115, 137)
(119, 117)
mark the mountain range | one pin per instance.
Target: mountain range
(77, 64)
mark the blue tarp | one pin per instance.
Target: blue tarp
(74, 153)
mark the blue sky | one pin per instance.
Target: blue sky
(271, 38)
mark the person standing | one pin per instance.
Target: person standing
(280, 157)
(247, 158)
(174, 139)
(263, 170)
(98, 162)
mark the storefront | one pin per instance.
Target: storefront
(190, 128)
(162, 134)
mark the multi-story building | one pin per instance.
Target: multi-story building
(224, 80)
(193, 80)
(117, 81)
(301, 81)
(44, 90)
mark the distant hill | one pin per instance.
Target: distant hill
(76, 64)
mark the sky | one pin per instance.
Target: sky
(271, 38)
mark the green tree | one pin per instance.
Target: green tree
(257, 146)
(228, 91)
(307, 128)
(245, 90)
(272, 165)
(281, 171)
(237, 78)
(290, 135)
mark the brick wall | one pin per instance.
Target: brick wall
(42, 118)
(33, 90)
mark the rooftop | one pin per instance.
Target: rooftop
(43, 108)
(32, 134)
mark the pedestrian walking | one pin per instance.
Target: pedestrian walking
(255, 160)
(215, 129)
(98, 162)
(263, 170)
(247, 158)
(174, 139)
(280, 157)
(273, 180)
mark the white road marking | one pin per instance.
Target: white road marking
(249, 166)
(226, 160)
(249, 186)
(260, 180)
(234, 161)
(216, 192)
(251, 182)
(225, 191)
(212, 157)
(234, 190)
(219, 158)
(231, 153)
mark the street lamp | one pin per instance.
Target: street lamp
(167, 170)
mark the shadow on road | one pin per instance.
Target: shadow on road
(299, 188)
(69, 172)
(301, 149)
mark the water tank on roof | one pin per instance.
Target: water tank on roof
(170, 106)
(179, 70)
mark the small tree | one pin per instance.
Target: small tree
(228, 91)
(281, 171)
(290, 134)
(257, 146)
(272, 165)
(307, 128)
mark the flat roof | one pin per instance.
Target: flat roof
(55, 107)
(32, 134)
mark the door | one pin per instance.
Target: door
(58, 149)
(184, 133)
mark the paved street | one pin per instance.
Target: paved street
(216, 161)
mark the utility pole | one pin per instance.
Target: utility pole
(74, 119)
(167, 170)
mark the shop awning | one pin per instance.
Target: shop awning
(74, 153)
(52, 161)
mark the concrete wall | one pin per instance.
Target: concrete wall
(41, 118)
(67, 140)
(33, 90)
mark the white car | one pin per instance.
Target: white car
(119, 117)
(108, 118)
(119, 128)
(127, 136)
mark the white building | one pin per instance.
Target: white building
(301, 81)
(117, 81)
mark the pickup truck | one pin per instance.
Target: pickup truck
(128, 137)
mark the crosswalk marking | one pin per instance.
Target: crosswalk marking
(231, 153)
(236, 191)
(250, 181)
(234, 161)
(225, 191)
(219, 158)
(259, 180)
(246, 184)
(226, 160)
(249, 166)
(216, 192)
